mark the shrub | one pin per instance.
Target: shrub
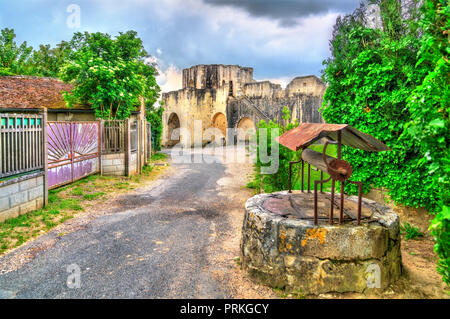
(410, 231)
(279, 180)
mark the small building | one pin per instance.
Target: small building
(32, 94)
(44, 144)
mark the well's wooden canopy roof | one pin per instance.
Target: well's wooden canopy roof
(307, 133)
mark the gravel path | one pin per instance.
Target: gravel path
(154, 244)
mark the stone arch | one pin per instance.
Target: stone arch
(172, 124)
(219, 121)
(246, 127)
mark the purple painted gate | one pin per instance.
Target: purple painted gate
(73, 151)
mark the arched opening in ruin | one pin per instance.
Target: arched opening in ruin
(219, 121)
(172, 124)
(245, 129)
(191, 83)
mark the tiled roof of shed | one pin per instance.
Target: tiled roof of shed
(307, 133)
(29, 92)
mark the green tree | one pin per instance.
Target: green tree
(13, 57)
(47, 61)
(110, 74)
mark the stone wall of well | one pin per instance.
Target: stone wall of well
(297, 255)
(21, 195)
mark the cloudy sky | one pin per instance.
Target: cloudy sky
(280, 39)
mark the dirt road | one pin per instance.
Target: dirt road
(160, 241)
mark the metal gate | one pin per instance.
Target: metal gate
(73, 151)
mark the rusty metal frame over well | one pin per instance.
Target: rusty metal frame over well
(307, 134)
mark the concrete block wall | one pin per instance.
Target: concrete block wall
(133, 163)
(113, 164)
(21, 195)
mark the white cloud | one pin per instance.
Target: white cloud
(283, 81)
(170, 79)
(239, 33)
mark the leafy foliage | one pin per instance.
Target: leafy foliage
(22, 60)
(154, 116)
(109, 74)
(410, 231)
(13, 57)
(440, 228)
(279, 180)
(48, 61)
(392, 83)
(429, 128)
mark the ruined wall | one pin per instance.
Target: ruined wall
(265, 100)
(193, 104)
(305, 85)
(264, 89)
(217, 75)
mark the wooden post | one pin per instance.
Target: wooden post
(149, 142)
(139, 146)
(332, 202)
(341, 211)
(45, 155)
(127, 147)
(101, 125)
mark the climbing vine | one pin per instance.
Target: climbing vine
(392, 82)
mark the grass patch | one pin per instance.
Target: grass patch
(158, 156)
(67, 201)
(93, 196)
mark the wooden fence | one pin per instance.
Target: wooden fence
(22, 139)
(113, 137)
(134, 136)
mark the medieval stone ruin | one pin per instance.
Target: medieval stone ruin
(227, 96)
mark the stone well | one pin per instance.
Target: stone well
(291, 252)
